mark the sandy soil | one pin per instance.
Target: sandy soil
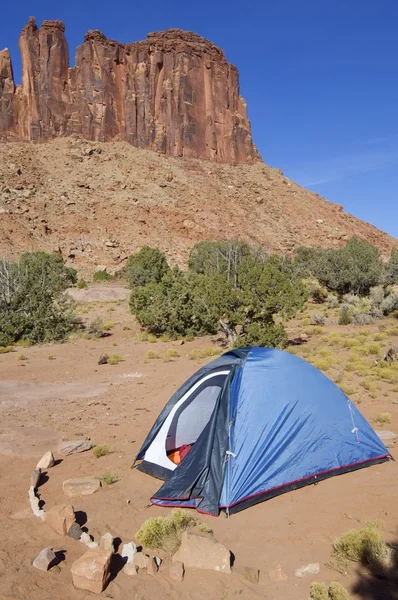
(70, 397)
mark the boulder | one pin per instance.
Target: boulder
(107, 542)
(84, 486)
(35, 478)
(45, 560)
(140, 560)
(130, 569)
(60, 518)
(46, 462)
(387, 437)
(73, 447)
(128, 552)
(75, 532)
(176, 571)
(92, 570)
(202, 552)
(311, 569)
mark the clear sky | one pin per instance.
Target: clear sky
(320, 78)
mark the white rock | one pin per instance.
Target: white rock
(311, 569)
(106, 542)
(129, 551)
(45, 560)
(46, 462)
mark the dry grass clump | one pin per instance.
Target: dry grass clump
(22, 357)
(108, 325)
(365, 545)
(332, 591)
(114, 359)
(203, 353)
(6, 349)
(100, 450)
(108, 478)
(164, 533)
(171, 353)
(382, 418)
(152, 355)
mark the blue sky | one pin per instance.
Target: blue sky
(320, 78)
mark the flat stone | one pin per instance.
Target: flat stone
(387, 437)
(152, 567)
(140, 560)
(35, 478)
(311, 569)
(277, 575)
(92, 570)
(73, 447)
(46, 462)
(202, 552)
(250, 574)
(75, 532)
(60, 518)
(84, 486)
(107, 543)
(85, 538)
(129, 551)
(176, 571)
(45, 560)
(130, 569)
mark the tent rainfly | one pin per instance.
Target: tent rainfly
(250, 425)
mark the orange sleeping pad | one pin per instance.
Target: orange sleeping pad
(178, 455)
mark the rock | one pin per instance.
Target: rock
(46, 462)
(128, 552)
(45, 560)
(85, 538)
(35, 478)
(107, 543)
(311, 569)
(152, 567)
(203, 552)
(92, 570)
(68, 448)
(84, 486)
(103, 359)
(250, 574)
(75, 532)
(387, 437)
(50, 90)
(130, 569)
(140, 560)
(176, 571)
(392, 355)
(277, 575)
(60, 518)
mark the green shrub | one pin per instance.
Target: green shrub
(317, 319)
(345, 317)
(332, 301)
(149, 265)
(100, 450)
(164, 533)
(338, 591)
(391, 268)
(33, 305)
(95, 329)
(102, 276)
(82, 284)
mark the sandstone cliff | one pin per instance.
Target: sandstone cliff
(174, 93)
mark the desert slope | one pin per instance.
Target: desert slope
(96, 203)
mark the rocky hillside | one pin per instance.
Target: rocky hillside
(174, 92)
(95, 203)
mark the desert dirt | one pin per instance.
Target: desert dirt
(54, 392)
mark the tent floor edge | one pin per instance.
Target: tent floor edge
(154, 470)
(313, 480)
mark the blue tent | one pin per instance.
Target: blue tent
(250, 425)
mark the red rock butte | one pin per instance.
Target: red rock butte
(173, 92)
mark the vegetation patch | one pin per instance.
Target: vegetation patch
(199, 353)
(164, 533)
(114, 359)
(6, 349)
(108, 478)
(101, 450)
(382, 418)
(365, 545)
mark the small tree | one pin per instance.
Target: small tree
(391, 268)
(33, 305)
(148, 265)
